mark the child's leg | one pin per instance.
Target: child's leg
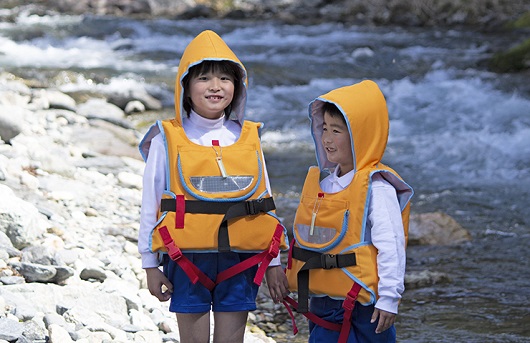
(229, 326)
(194, 327)
(361, 330)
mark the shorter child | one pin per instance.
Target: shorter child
(350, 228)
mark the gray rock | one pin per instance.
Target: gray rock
(93, 274)
(40, 255)
(33, 272)
(11, 123)
(425, 278)
(122, 99)
(62, 274)
(10, 329)
(12, 280)
(100, 109)
(34, 332)
(436, 228)
(6, 247)
(134, 106)
(58, 334)
(60, 100)
(19, 220)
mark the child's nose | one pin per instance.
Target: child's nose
(215, 84)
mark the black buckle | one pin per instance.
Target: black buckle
(329, 261)
(252, 207)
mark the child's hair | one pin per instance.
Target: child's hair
(333, 111)
(225, 67)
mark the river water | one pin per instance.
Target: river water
(459, 134)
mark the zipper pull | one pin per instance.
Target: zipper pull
(316, 207)
(219, 157)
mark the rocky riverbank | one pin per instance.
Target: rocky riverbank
(476, 13)
(70, 185)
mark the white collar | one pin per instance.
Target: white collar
(206, 123)
(343, 180)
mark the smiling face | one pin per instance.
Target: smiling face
(211, 93)
(337, 143)
(212, 87)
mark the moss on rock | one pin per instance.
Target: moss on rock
(522, 22)
(515, 59)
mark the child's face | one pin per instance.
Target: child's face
(211, 93)
(337, 143)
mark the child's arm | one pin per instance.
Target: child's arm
(388, 237)
(155, 282)
(386, 320)
(277, 282)
(154, 183)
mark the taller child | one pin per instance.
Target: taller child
(350, 228)
(207, 207)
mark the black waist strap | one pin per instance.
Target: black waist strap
(230, 209)
(236, 208)
(316, 260)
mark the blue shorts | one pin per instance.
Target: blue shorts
(235, 294)
(361, 330)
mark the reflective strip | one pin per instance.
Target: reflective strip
(220, 184)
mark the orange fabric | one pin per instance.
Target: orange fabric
(200, 232)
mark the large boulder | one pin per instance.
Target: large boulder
(436, 228)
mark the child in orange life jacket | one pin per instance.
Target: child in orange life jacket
(208, 158)
(355, 219)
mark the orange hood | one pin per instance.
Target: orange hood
(364, 107)
(208, 46)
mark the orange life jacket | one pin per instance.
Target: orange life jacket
(332, 248)
(202, 208)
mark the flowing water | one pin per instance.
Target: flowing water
(460, 135)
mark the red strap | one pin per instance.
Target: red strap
(290, 256)
(264, 258)
(344, 328)
(314, 318)
(180, 210)
(191, 270)
(238, 268)
(348, 305)
(293, 320)
(274, 250)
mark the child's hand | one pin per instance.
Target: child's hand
(277, 282)
(155, 281)
(386, 320)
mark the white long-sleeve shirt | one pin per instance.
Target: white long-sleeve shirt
(386, 231)
(200, 131)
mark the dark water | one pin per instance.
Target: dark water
(459, 134)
